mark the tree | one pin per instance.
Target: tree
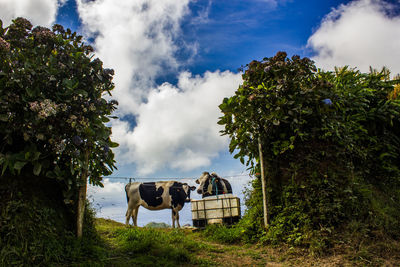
(52, 107)
(269, 111)
(327, 139)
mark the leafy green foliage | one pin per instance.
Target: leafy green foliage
(52, 107)
(330, 143)
(252, 222)
(52, 115)
(274, 103)
(35, 228)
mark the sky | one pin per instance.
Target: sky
(175, 61)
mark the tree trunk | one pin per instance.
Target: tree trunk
(263, 184)
(82, 197)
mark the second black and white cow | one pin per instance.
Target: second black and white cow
(157, 196)
(212, 184)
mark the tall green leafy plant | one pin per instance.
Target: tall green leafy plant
(52, 106)
(330, 141)
(276, 103)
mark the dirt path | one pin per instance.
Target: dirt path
(253, 255)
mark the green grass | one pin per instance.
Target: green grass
(217, 246)
(133, 246)
(223, 234)
(151, 245)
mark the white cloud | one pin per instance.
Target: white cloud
(177, 127)
(360, 34)
(109, 201)
(110, 188)
(135, 38)
(38, 12)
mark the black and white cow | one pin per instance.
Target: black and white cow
(212, 184)
(157, 196)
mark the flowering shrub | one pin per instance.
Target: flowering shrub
(52, 106)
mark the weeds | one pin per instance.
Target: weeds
(153, 246)
(223, 234)
(33, 234)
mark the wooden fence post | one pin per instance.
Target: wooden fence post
(82, 197)
(263, 183)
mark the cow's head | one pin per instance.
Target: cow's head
(202, 180)
(187, 188)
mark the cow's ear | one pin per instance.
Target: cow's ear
(192, 188)
(197, 181)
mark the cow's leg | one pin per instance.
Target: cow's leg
(132, 211)
(134, 215)
(177, 218)
(128, 214)
(173, 218)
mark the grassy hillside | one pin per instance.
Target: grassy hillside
(129, 246)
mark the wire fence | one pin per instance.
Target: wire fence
(136, 178)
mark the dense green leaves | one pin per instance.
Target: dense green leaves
(329, 140)
(36, 229)
(52, 108)
(275, 101)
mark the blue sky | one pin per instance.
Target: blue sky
(239, 31)
(175, 60)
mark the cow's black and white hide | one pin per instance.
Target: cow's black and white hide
(212, 184)
(157, 196)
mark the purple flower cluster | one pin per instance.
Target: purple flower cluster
(44, 109)
(22, 23)
(4, 45)
(43, 33)
(327, 101)
(77, 140)
(108, 72)
(58, 28)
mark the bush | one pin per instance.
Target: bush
(54, 138)
(36, 229)
(52, 110)
(331, 148)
